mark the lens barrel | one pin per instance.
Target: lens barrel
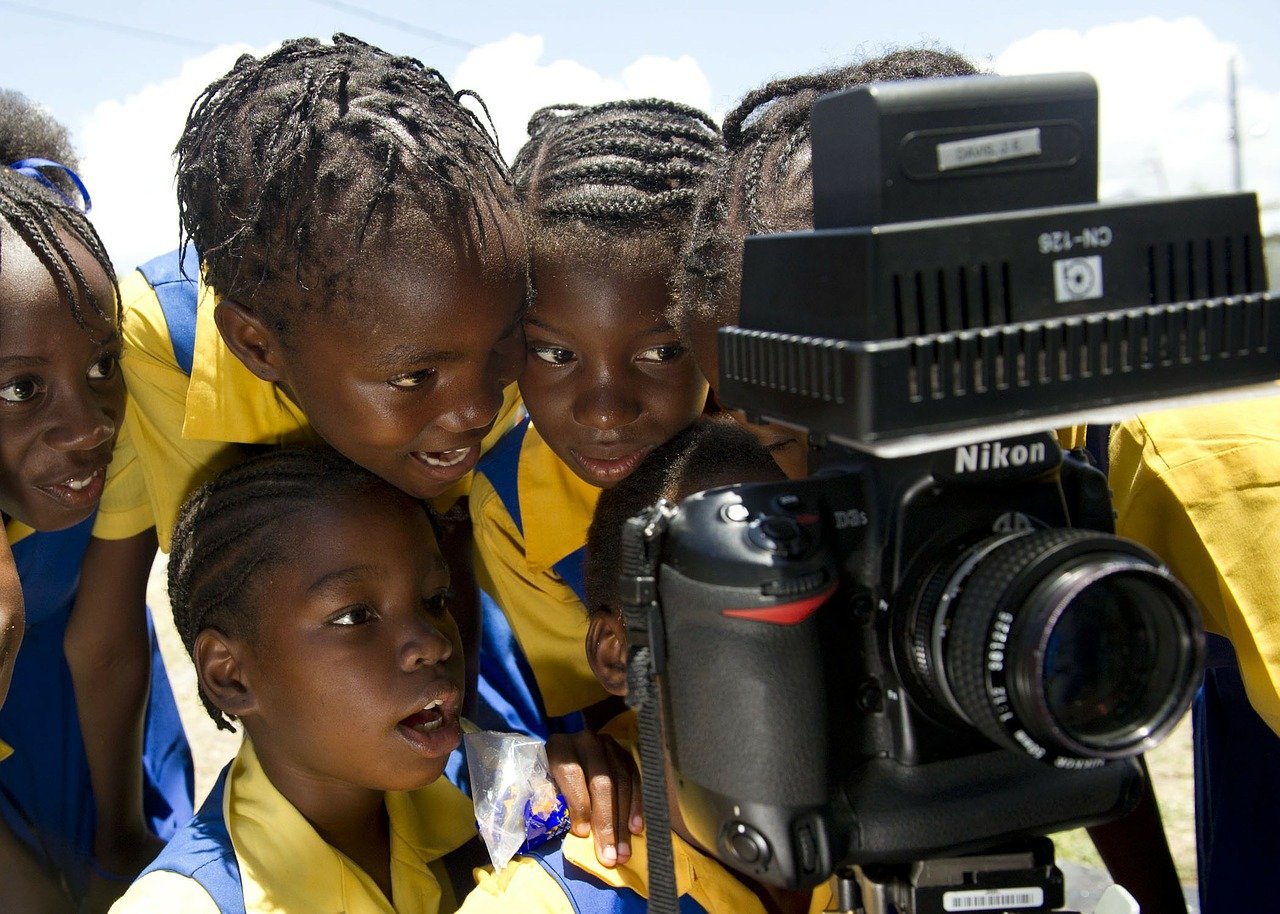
(1072, 646)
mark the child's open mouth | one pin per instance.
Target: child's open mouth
(428, 719)
(434, 730)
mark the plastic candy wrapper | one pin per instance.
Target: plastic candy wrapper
(517, 804)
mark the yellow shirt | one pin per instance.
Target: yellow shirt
(523, 885)
(287, 868)
(515, 568)
(180, 431)
(1201, 488)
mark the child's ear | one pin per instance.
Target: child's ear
(221, 674)
(607, 650)
(253, 340)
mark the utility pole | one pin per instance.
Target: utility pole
(1233, 135)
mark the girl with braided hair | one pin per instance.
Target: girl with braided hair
(89, 783)
(765, 184)
(606, 192)
(315, 603)
(353, 271)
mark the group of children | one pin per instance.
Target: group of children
(374, 403)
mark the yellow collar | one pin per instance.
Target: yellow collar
(555, 504)
(15, 530)
(286, 866)
(228, 402)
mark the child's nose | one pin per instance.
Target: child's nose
(475, 406)
(424, 645)
(604, 406)
(81, 424)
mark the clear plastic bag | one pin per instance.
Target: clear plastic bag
(517, 804)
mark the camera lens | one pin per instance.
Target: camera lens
(1063, 644)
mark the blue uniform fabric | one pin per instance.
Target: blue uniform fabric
(590, 895)
(202, 851)
(1237, 776)
(45, 792)
(509, 699)
(175, 281)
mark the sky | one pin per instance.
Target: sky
(122, 76)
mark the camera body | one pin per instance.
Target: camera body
(936, 644)
(812, 631)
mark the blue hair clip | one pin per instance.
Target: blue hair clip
(32, 169)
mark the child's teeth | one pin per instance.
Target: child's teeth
(435, 704)
(447, 458)
(76, 485)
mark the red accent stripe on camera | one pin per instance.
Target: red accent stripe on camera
(784, 614)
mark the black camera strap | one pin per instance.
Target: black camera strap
(644, 636)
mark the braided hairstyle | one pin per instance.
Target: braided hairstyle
(627, 173)
(293, 165)
(713, 451)
(765, 183)
(233, 528)
(42, 220)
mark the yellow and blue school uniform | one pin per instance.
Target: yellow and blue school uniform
(194, 408)
(249, 851)
(46, 797)
(530, 513)
(564, 876)
(1201, 488)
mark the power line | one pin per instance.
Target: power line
(105, 25)
(400, 24)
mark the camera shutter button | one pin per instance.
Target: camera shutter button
(745, 844)
(776, 534)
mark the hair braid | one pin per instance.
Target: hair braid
(42, 220)
(289, 160)
(618, 171)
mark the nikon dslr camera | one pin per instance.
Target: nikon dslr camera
(936, 644)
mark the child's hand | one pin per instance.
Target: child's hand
(12, 617)
(600, 784)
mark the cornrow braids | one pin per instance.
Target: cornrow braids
(44, 223)
(620, 170)
(230, 530)
(289, 161)
(765, 183)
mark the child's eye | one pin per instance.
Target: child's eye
(412, 378)
(553, 355)
(354, 615)
(438, 603)
(668, 353)
(104, 368)
(19, 391)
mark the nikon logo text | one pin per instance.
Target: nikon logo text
(993, 455)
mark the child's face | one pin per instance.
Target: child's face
(355, 669)
(61, 394)
(409, 386)
(607, 379)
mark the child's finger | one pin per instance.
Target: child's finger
(602, 783)
(624, 796)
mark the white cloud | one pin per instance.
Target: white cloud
(514, 82)
(1163, 108)
(127, 159)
